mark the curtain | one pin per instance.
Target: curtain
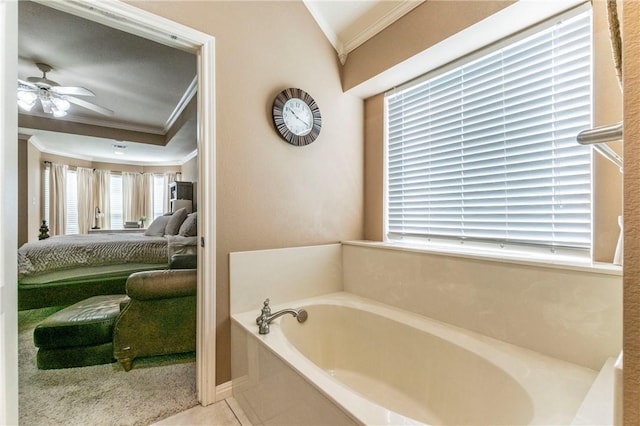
(148, 197)
(169, 177)
(57, 199)
(101, 199)
(133, 196)
(86, 213)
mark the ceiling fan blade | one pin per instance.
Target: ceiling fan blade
(26, 85)
(89, 105)
(72, 90)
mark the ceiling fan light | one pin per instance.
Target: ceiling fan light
(27, 97)
(25, 106)
(61, 104)
(46, 105)
(26, 100)
(58, 112)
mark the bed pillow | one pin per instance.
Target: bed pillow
(189, 227)
(175, 221)
(157, 227)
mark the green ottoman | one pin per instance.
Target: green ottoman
(79, 335)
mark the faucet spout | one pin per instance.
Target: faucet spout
(266, 316)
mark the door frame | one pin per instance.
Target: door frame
(125, 17)
(8, 216)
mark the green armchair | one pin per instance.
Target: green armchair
(159, 316)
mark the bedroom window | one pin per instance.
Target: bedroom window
(116, 205)
(485, 151)
(159, 189)
(71, 203)
(45, 193)
(154, 191)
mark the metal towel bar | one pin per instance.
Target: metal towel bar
(598, 137)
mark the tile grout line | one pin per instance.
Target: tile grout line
(234, 413)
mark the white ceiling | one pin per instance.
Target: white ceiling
(349, 23)
(109, 150)
(145, 83)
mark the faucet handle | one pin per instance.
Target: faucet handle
(266, 311)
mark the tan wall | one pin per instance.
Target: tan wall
(23, 202)
(190, 173)
(374, 168)
(425, 26)
(607, 110)
(631, 277)
(34, 185)
(271, 194)
(29, 194)
(190, 170)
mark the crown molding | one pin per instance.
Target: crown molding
(344, 47)
(331, 35)
(193, 154)
(508, 21)
(184, 101)
(389, 18)
(35, 142)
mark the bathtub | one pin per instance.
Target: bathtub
(361, 362)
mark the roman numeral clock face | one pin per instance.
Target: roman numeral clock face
(296, 117)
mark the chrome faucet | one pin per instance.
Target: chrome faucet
(266, 316)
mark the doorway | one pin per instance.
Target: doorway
(138, 22)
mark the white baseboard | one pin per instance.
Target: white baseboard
(224, 391)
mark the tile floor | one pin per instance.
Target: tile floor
(223, 413)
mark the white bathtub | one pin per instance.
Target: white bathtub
(359, 361)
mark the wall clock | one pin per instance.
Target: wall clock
(296, 117)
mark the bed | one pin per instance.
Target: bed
(65, 269)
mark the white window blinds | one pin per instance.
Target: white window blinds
(71, 203)
(487, 151)
(45, 193)
(116, 205)
(158, 195)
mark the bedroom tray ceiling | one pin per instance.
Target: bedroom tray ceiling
(146, 84)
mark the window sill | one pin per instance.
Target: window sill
(550, 261)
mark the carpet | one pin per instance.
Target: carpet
(156, 387)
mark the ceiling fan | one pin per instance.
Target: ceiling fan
(55, 99)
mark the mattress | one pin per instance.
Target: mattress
(67, 252)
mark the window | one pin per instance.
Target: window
(157, 195)
(487, 151)
(159, 190)
(45, 193)
(71, 202)
(116, 205)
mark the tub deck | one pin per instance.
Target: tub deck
(542, 389)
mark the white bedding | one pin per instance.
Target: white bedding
(64, 252)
